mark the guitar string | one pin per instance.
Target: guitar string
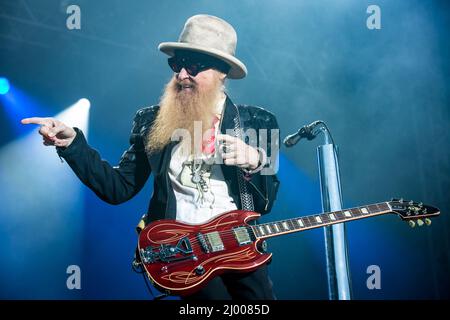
(230, 234)
(306, 220)
(198, 247)
(224, 235)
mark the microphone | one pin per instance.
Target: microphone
(303, 132)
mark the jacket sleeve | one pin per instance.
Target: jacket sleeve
(264, 184)
(112, 184)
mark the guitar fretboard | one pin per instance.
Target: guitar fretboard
(270, 229)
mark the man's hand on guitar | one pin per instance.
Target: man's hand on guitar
(53, 131)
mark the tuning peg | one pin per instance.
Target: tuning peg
(411, 223)
(420, 204)
(427, 221)
(419, 222)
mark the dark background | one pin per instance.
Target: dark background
(383, 93)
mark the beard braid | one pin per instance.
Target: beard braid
(179, 110)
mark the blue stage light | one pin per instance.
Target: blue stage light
(4, 85)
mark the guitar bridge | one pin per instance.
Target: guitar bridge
(201, 239)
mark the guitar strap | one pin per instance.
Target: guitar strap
(245, 195)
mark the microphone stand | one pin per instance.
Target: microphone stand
(339, 287)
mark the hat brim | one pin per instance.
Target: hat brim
(237, 68)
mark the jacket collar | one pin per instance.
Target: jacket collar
(230, 112)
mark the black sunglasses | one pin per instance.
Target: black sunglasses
(194, 63)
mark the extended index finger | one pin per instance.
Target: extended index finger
(36, 120)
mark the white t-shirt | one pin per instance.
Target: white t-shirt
(194, 205)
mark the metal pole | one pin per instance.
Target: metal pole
(335, 236)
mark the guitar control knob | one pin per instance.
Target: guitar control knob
(200, 270)
(262, 246)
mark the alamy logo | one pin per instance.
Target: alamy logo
(374, 280)
(374, 20)
(257, 139)
(74, 279)
(73, 21)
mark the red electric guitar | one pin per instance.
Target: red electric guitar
(181, 258)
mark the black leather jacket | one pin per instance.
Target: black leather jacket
(120, 183)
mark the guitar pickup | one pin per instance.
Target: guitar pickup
(215, 242)
(242, 235)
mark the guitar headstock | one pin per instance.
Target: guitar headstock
(413, 212)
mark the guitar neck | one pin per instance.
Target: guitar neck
(273, 229)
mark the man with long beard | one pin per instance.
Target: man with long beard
(194, 144)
